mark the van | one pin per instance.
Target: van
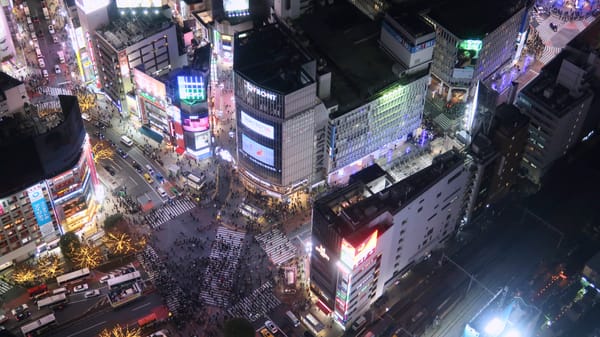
(127, 141)
(163, 194)
(359, 323)
(59, 291)
(46, 14)
(61, 56)
(293, 319)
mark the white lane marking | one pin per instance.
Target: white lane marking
(86, 329)
(141, 306)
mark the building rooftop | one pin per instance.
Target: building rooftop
(554, 97)
(509, 118)
(7, 82)
(124, 31)
(414, 24)
(269, 57)
(349, 42)
(473, 19)
(351, 208)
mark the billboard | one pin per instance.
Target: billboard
(257, 126)
(139, 3)
(467, 53)
(39, 205)
(352, 256)
(191, 88)
(236, 5)
(195, 124)
(149, 84)
(257, 151)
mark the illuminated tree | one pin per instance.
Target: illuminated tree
(24, 274)
(102, 151)
(87, 256)
(119, 331)
(86, 101)
(49, 266)
(119, 243)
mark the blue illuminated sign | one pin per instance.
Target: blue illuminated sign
(191, 88)
(39, 205)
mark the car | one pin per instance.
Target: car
(3, 318)
(122, 153)
(163, 194)
(80, 288)
(31, 27)
(57, 68)
(265, 333)
(42, 63)
(148, 178)
(51, 29)
(110, 170)
(54, 38)
(21, 312)
(271, 326)
(34, 37)
(105, 278)
(92, 293)
(150, 169)
(45, 73)
(137, 166)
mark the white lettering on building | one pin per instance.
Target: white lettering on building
(260, 92)
(321, 250)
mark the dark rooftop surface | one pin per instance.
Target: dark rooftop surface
(544, 91)
(352, 207)
(8, 82)
(414, 24)
(124, 31)
(270, 58)
(508, 117)
(349, 41)
(473, 19)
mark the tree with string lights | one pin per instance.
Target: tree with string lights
(120, 331)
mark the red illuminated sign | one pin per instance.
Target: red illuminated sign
(351, 256)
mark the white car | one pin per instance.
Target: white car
(45, 73)
(51, 29)
(42, 63)
(80, 288)
(271, 326)
(105, 278)
(57, 69)
(92, 293)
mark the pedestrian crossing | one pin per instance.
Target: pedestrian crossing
(53, 91)
(277, 246)
(168, 211)
(5, 286)
(549, 53)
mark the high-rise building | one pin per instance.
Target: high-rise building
(280, 120)
(367, 234)
(129, 41)
(557, 103)
(474, 40)
(372, 80)
(48, 182)
(13, 95)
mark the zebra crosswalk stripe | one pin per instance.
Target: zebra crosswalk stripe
(169, 211)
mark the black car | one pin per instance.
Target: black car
(137, 166)
(110, 170)
(122, 153)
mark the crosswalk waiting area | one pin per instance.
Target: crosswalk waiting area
(4, 286)
(168, 211)
(277, 246)
(222, 267)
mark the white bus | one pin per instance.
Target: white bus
(123, 279)
(194, 182)
(52, 300)
(127, 141)
(37, 325)
(72, 276)
(293, 318)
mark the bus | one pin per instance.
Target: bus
(39, 289)
(72, 276)
(52, 300)
(38, 326)
(194, 182)
(123, 279)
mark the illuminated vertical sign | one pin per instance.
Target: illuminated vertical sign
(352, 256)
(39, 205)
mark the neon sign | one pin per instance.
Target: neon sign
(321, 250)
(260, 92)
(352, 256)
(191, 88)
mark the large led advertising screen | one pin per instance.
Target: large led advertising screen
(195, 124)
(149, 85)
(191, 88)
(257, 126)
(352, 256)
(236, 5)
(257, 151)
(467, 53)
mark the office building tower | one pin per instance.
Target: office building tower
(50, 185)
(367, 234)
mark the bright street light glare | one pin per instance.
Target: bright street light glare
(513, 333)
(494, 327)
